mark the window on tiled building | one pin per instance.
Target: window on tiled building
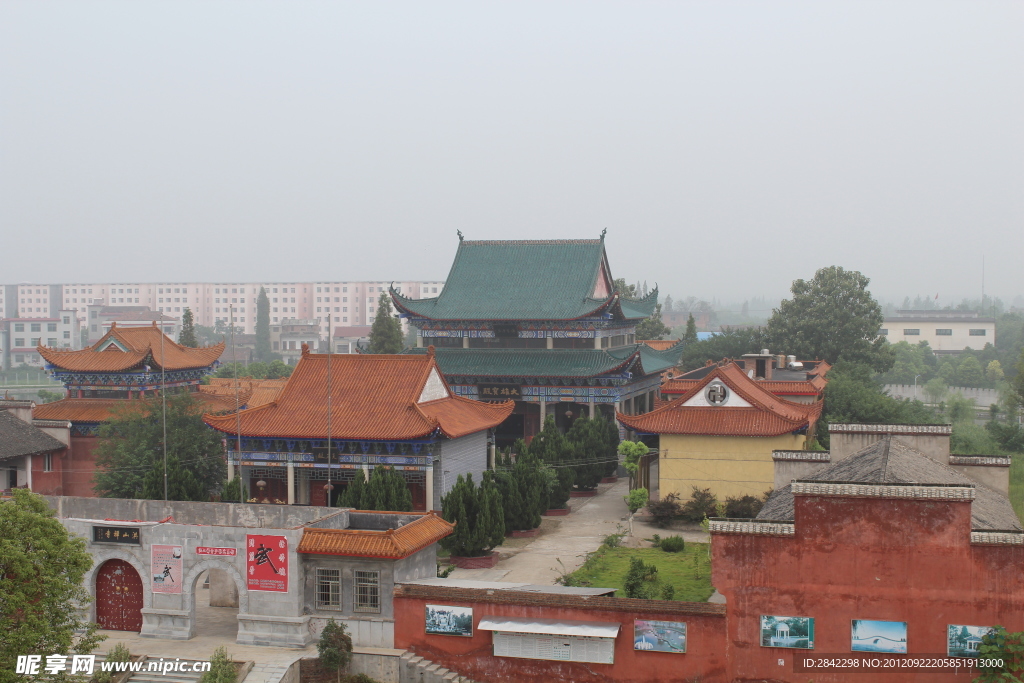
(366, 596)
(328, 588)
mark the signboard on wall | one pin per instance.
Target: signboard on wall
(554, 647)
(116, 534)
(266, 563)
(165, 568)
(499, 392)
(203, 550)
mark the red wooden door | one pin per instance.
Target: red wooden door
(118, 597)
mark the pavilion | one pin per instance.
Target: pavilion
(124, 365)
(540, 322)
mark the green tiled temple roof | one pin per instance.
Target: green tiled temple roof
(526, 280)
(552, 362)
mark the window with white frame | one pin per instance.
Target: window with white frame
(367, 591)
(328, 588)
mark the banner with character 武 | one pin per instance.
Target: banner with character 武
(266, 563)
(166, 568)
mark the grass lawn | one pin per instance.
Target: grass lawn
(607, 567)
(1017, 484)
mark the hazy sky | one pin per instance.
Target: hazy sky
(728, 147)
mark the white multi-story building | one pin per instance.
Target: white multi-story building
(19, 337)
(945, 331)
(348, 303)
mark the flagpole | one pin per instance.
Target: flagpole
(329, 490)
(238, 417)
(163, 396)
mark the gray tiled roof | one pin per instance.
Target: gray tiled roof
(18, 438)
(890, 461)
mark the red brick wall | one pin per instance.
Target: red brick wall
(861, 558)
(79, 467)
(472, 656)
(49, 483)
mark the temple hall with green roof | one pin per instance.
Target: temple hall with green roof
(539, 322)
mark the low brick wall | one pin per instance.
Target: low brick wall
(472, 656)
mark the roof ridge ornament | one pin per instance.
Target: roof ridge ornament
(459, 233)
(603, 233)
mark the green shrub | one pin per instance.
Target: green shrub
(222, 669)
(668, 592)
(745, 507)
(702, 504)
(641, 579)
(118, 653)
(672, 544)
(612, 540)
(665, 510)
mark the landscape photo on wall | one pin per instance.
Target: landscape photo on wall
(659, 636)
(878, 636)
(964, 641)
(795, 632)
(445, 620)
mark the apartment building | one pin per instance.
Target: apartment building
(349, 303)
(19, 338)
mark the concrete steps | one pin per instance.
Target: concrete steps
(415, 669)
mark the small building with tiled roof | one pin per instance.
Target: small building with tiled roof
(540, 322)
(720, 435)
(340, 415)
(30, 455)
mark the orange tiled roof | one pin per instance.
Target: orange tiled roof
(263, 390)
(103, 409)
(768, 415)
(139, 344)
(372, 397)
(393, 544)
(659, 344)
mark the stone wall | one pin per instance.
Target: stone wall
(466, 455)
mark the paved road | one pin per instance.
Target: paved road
(563, 546)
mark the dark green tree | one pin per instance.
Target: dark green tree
(853, 395)
(263, 351)
(352, 496)
(41, 571)
(222, 669)
(386, 490)
(386, 332)
(524, 491)
(477, 515)
(691, 330)
(588, 443)
(130, 450)
(551, 448)
(653, 327)
(831, 317)
(728, 343)
(187, 336)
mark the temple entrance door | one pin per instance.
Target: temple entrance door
(419, 496)
(118, 597)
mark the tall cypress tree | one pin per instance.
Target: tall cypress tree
(477, 515)
(386, 332)
(386, 490)
(263, 352)
(187, 336)
(691, 330)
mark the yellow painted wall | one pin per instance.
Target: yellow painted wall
(731, 466)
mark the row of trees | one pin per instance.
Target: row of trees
(529, 480)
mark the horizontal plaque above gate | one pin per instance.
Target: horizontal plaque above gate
(116, 534)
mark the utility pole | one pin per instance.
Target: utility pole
(238, 416)
(163, 395)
